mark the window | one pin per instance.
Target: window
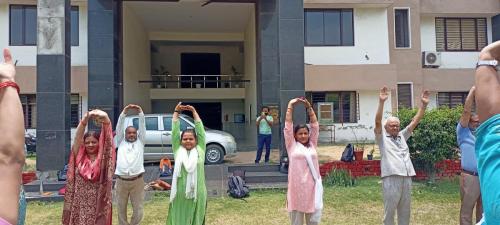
(451, 99)
(345, 105)
(28, 102)
(167, 123)
(185, 125)
(460, 34)
(151, 123)
(404, 96)
(333, 27)
(401, 28)
(75, 110)
(75, 26)
(23, 25)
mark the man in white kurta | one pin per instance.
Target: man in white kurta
(130, 167)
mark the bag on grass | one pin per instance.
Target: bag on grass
(237, 187)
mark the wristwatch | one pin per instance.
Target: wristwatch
(492, 63)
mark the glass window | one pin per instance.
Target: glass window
(75, 39)
(345, 107)
(151, 123)
(401, 27)
(167, 123)
(404, 96)
(331, 27)
(451, 99)
(460, 34)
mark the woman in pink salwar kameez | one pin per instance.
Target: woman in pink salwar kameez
(305, 191)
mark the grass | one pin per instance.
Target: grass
(361, 204)
(30, 164)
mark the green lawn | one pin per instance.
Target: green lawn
(362, 204)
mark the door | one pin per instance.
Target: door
(200, 64)
(166, 137)
(210, 113)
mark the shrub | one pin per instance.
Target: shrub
(341, 178)
(434, 139)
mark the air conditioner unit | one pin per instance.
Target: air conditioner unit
(431, 59)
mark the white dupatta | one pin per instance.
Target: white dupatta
(318, 185)
(190, 162)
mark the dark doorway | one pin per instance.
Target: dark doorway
(210, 113)
(200, 64)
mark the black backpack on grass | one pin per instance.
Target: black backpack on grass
(237, 187)
(348, 154)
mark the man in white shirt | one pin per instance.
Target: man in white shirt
(130, 166)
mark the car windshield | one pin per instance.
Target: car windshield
(188, 118)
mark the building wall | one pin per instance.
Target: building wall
(370, 39)
(136, 61)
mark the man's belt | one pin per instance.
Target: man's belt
(470, 172)
(130, 179)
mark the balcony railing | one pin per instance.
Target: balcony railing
(196, 81)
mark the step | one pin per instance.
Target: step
(54, 186)
(267, 186)
(35, 196)
(265, 177)
(55, 197)
(253, 167)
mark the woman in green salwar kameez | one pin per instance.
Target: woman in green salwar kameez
(188, 198)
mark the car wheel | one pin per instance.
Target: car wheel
(214, 154)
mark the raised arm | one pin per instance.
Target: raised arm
(289, 110)
(288, 130)
(142, 124)
(384, 94)
(11, 142)
(420, 113)
(199, 128)
(80, 130)
(310, 111)
(313, 121)
(464, 119)
(488, 84)
(176, 128)
(120, 126)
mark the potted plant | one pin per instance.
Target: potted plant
(360, 143)
(359, 149)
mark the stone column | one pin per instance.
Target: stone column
(280, 75)
(53, 84)
(104, 27)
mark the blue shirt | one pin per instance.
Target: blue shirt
(467, 142)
